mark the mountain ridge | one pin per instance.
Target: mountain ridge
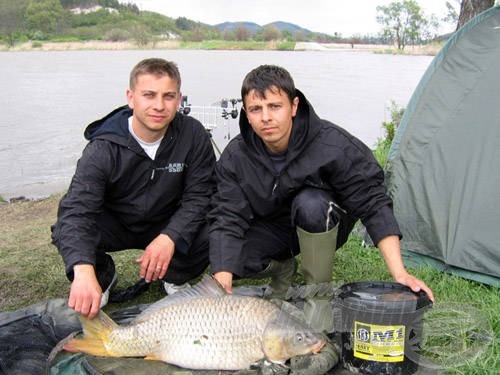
(253, 27)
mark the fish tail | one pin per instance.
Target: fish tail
(95, 338)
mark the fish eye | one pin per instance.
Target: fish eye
(299, 337)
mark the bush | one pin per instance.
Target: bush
(86, 33)
(116, 35)
(37, 35)
(285, 46)
(384, 144)
(141, 35)
(391, 126)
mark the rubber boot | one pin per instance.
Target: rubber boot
(281, 274)
(318, 251)
(316, 364)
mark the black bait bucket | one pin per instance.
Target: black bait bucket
(381, 327)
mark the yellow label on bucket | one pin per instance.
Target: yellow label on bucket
(379, 343)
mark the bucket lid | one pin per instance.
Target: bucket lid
(382, 296)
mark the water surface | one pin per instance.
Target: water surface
(48, 98)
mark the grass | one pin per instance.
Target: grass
(31, 270)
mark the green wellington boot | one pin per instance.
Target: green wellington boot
(281, 274)
(317, 251)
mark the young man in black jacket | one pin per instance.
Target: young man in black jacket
(292, 182)
(143, 181)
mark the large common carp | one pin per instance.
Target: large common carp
(202, 328)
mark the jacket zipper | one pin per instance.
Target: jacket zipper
(276, 184)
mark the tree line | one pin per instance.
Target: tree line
(402, 23)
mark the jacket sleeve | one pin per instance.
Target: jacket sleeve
(229, 219)
(75, 233)
(359, 182)
(199, 185)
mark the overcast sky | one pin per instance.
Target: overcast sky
(348, 17)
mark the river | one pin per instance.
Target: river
(48, 98)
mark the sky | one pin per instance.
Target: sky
(347, 17)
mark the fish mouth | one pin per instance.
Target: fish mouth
(317, 348)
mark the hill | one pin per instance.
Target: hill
(232, 26)
(109, 20)
(253, 28)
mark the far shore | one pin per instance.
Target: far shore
(430, 49)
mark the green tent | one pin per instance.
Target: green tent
(443, 168)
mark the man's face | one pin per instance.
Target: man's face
(271, 117)
(155, 101)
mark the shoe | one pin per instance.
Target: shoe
(133, 291)
(173, 288)
(106, 276)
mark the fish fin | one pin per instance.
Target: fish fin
(152, 358)
(206, 287)
(95, 336)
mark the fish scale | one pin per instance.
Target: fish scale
(217, 332)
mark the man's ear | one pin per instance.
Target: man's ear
(129, 94)
(295, 105)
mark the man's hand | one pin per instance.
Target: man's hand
(156, 258)
(415, 284)
(85, 293)
(225, 279)
(391, 251)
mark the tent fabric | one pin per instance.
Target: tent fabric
(443, 166)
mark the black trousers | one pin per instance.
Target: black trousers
(314, 210)
(183, 266)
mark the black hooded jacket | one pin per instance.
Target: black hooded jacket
(320, 154)
(114, 174)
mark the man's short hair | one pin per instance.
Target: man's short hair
(268, 77)
(158, 67)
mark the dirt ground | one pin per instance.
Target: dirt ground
(17, 214)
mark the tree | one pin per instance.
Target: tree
(46, 16)
(452, 13)
(403, 23)
(270, 32)
(11, 19)
(471, 8)
(241, 33)
(141, 34)
(184, 24)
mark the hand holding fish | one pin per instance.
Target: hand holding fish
(85, 293)
(156, 258)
